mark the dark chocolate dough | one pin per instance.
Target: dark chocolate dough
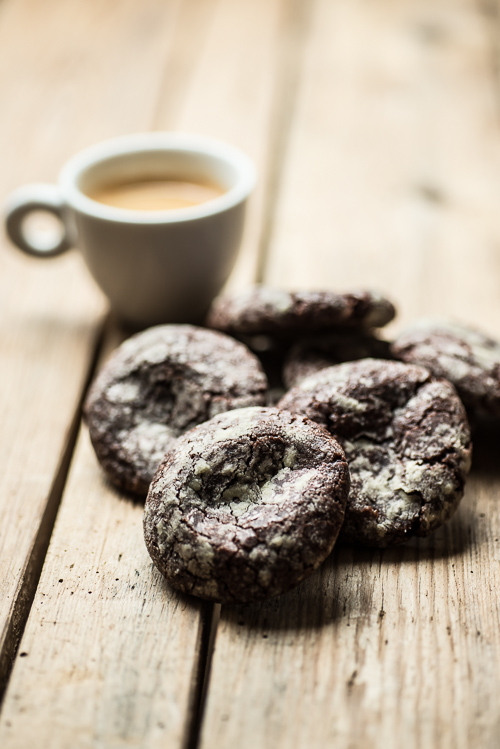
(466, 357)
(265, 311)
(406, 440)
(157, 385)
(246, 505)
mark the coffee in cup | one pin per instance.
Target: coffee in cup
(156, 194)
(155, 264)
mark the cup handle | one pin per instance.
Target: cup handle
(23, 201)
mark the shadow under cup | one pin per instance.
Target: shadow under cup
(155, 266)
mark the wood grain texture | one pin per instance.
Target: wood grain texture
(391, 181)
(392, 174)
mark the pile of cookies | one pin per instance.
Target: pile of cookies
(370, 443)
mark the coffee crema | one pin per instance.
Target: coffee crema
(155, 194)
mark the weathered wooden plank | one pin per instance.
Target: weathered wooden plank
(393, 158)
(391, 181)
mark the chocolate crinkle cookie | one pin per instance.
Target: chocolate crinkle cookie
(246, 505)
(157, 385)
(312, 355)
(265, 311)
(466, 357)
(406, 440)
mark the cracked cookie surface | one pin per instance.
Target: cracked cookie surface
(159, 384)
(406, 440)
(263, 310)
(466, 357)
(246, 505)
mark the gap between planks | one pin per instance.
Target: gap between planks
(296, 23)
(491, 12)
(209, 626)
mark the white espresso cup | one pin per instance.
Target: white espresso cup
(154, 266)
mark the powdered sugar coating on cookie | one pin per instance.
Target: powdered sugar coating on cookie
(263, 310)
(406, 439)
(246, 505)
(466, 357)
(159, 384)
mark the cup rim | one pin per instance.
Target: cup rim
(154, 141)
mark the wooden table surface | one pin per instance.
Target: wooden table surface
(375, 130)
